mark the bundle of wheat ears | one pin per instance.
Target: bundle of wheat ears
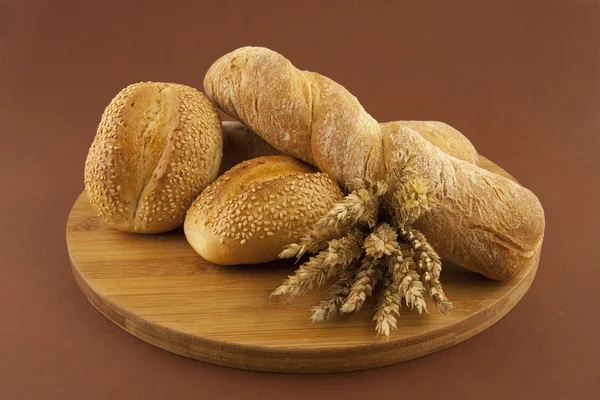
(368, 239)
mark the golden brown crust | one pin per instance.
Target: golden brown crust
(157, 146)
(486, 222)
(446, 138)
(240, 143)
(249, 213)
(309, 116)
(252, 84)
(346, 140)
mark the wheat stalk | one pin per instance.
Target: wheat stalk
(403, 165)
(412, 267)
(434, 288)
(425, 256)
(411, 200)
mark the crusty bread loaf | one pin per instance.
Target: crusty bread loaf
(249, 213)
(310, 116)
(157, 146)
(241, 144)
(486, 222)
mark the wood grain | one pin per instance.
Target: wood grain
(158, 289)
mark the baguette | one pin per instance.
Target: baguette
(249, 213)
(485, 222)
(240, 143)
(310, 116)
(157, 146)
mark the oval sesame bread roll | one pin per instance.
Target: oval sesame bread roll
(157, 146)
(257, 207)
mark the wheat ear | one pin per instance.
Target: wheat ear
(412, 197)
(312, 273)
(359, 207)
(388, 308)
(429, 264)
(325, 264)
(366, 278)
(411, 289)
(338, 293)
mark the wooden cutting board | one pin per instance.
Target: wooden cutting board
(158, 289)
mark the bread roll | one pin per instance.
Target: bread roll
(257, 207)
(241, 144)
(157, 146)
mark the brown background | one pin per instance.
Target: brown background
(520, 78)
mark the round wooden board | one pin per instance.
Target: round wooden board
(158, 289)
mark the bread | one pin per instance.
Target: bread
(444, 137)
(157, 146)
(257, 207)
(486, 222)
(241, 144)
(309, 116)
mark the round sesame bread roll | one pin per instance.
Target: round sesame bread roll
(257, 207)
(157, 147)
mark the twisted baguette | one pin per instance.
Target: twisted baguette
(485, 222)
(310, 116)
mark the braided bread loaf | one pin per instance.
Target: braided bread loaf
(485, 222)
(311, 117)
